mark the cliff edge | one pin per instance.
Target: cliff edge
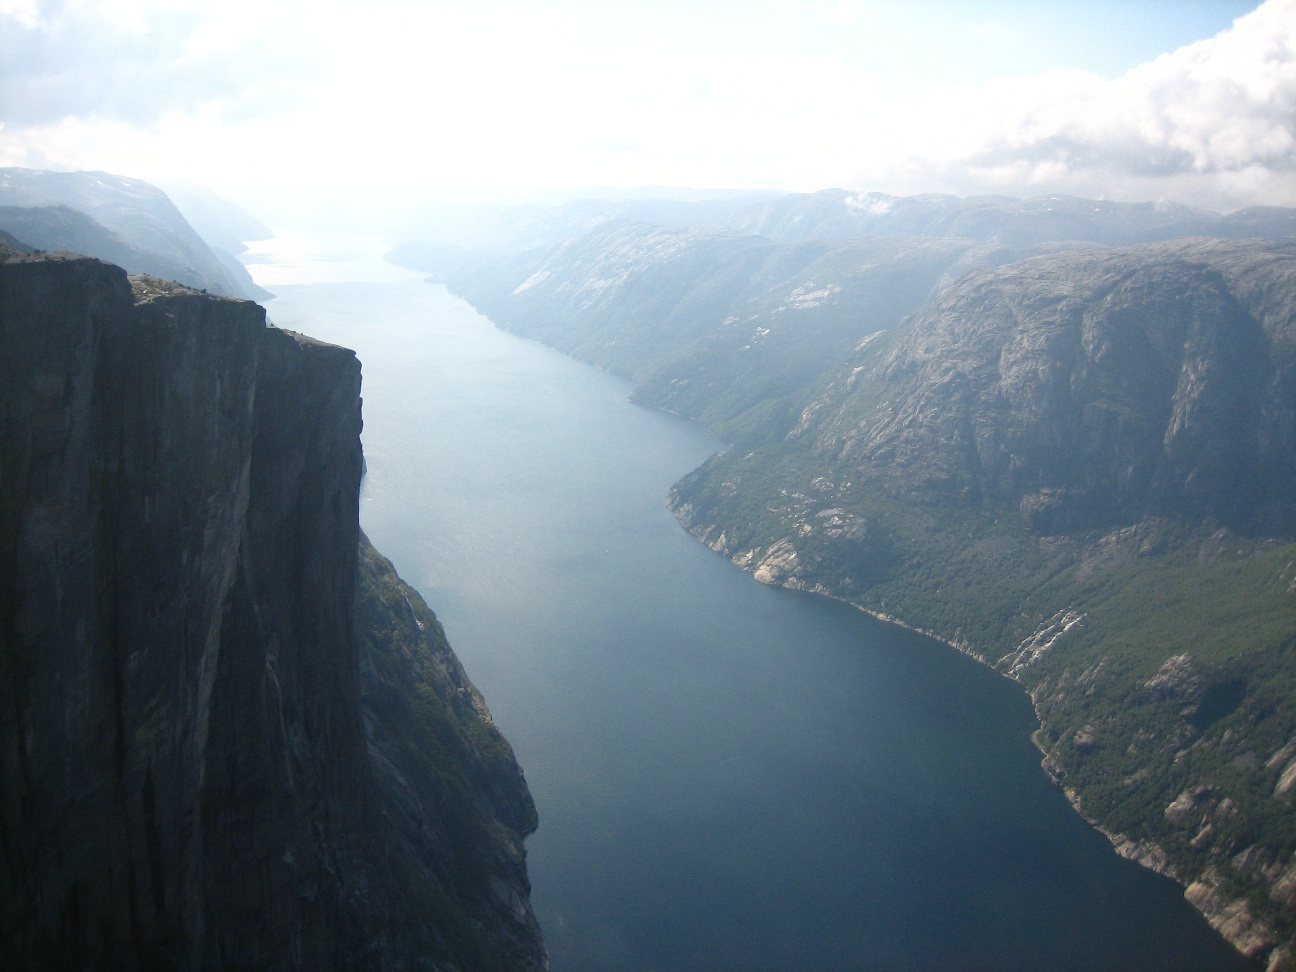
(223, 741)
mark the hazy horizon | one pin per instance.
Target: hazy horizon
(289, 109)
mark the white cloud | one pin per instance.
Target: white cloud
(1215, 119)
(25, 13)
(137, 61)
(840, 11)
(283, 98)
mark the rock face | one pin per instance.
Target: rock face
(452, 792)
(188, 779)
(1156, 379)
(730, 330)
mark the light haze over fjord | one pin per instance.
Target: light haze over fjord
(290, 107)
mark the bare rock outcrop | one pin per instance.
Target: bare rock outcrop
(186, 776)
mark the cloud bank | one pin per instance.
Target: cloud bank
(1214, 120)
(279, 98)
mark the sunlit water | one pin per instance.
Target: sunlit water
(728, 776)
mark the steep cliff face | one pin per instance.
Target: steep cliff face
(1090, 384)
(188, 778)
(452, 792)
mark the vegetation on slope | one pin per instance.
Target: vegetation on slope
(1125, 744)
(457, 803)
(1078, 468)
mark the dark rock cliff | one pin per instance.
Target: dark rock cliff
(199, 762)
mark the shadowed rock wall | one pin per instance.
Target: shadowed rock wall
(185, 777)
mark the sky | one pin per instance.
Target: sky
(279, 104)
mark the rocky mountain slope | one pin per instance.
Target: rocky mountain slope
(221, 223)
(138, 214)
(728, 311)
(1076, 463)
(1080, 469)
(63, 229)
(229, 735)
(1089, 386)
(731, 330)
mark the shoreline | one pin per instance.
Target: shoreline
(1229, 917)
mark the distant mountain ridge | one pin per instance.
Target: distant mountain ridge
(715, 318)
(728, 328)
(61, 228)
(1072, 460)
(834, 214)
(138, 213)
(220, 222)
(524, 226)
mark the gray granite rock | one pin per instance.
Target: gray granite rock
(186, 776)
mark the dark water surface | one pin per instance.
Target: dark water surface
(728, 776)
